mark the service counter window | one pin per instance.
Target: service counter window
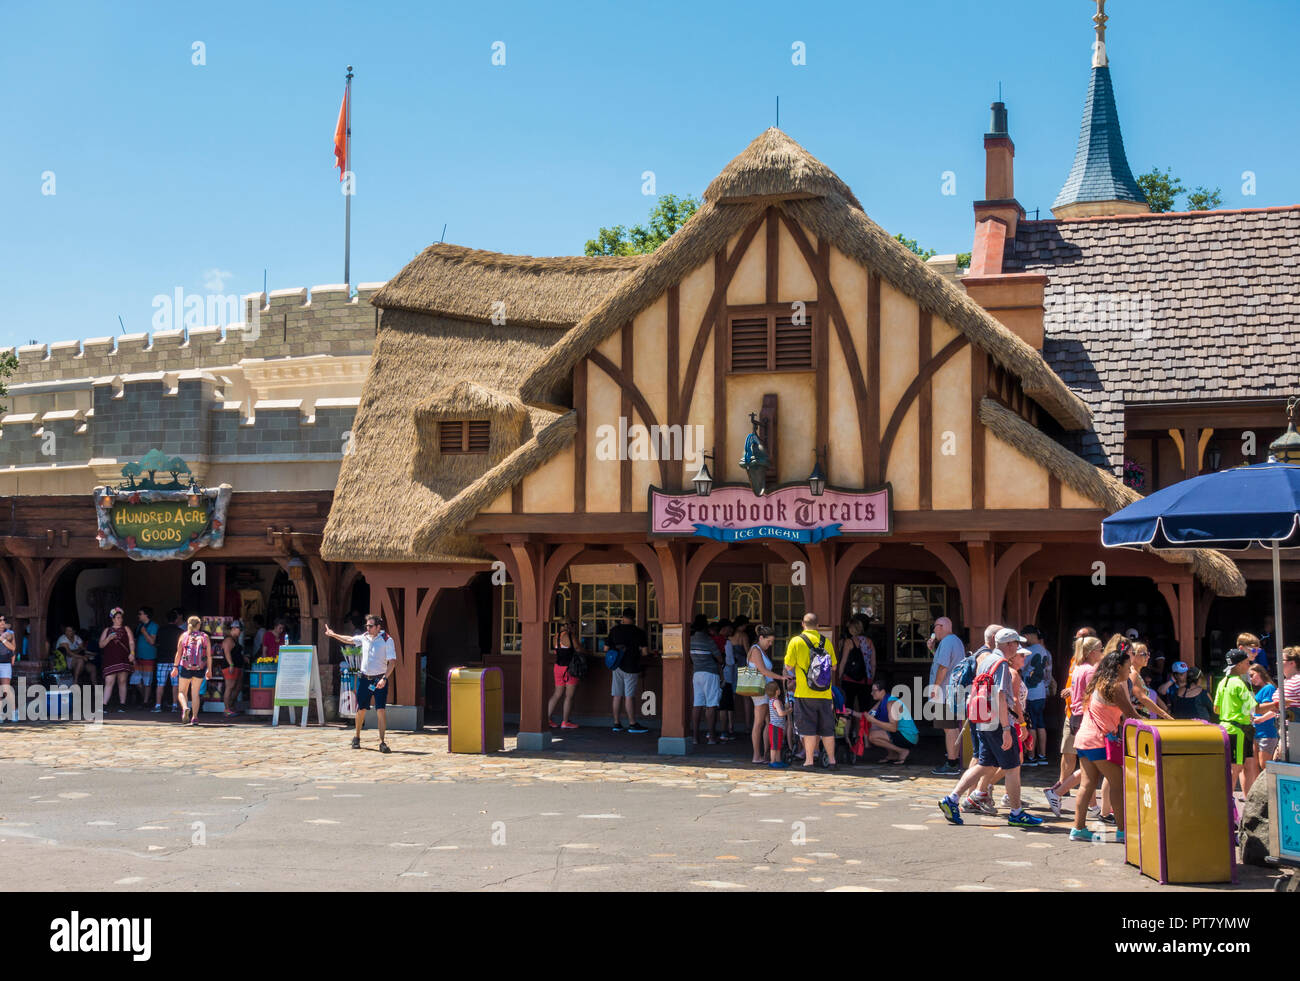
(915, 610)
(600, 607)
(708, 600)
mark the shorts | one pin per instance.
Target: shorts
(760, 700)
(193, 672)
(814, 716)
(624, 683)
(708, 689)
(1243, 743)
(1067, 738)
(144, 673)
(949, 723)
(727, 700)
(991, 752)
(900, 741)
(233, 677)
(6, 670)
(775, 736)
(366, 691)
(163, 674)
(1037, 708)
(1097, 755)
(1266, 745)
(562, 677)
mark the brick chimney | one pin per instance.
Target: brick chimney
(1015, 299)
(999, 174)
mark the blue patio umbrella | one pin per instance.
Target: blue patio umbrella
(1233, 509)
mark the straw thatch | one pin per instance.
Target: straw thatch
(834, 215)
(396, 491)
(705, 233)
(526, 291)
(1213, 568)
(772, 167)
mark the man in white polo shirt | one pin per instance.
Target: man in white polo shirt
(378, 661)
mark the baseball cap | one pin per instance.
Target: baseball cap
(1006, 635)
(1025, 651)
(1131, 633)
(1180, 667)
(236, 623)
(1237, 655)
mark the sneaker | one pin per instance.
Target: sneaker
(1083, 834)
(615, 728)
(778, 765)
(1042, 761)
(980, 804)
(356, 742)
(1053, 801)
(1006, 800)
(1109, 818)
(949, 808)
(156, 708)
(946, 769)
(383, 748)
(637, 729)
(554, 724)
(1119, 837)
(1023, 819)
(1094, 812)
(568, 725)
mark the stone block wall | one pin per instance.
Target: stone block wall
(285, 323)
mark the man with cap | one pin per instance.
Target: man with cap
(1234, 703)
(989, 712)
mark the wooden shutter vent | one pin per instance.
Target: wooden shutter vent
(749, 344)
(793, 344)
(478, 436)
(450, 436)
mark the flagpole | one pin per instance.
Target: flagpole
(349, 186)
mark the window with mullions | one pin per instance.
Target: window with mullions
(654, 628)
(787, 614)
(600, 607)
(915, 610)
(560, 606)
(708, 600)
(512, 633)
(746, 599)
(867, 601)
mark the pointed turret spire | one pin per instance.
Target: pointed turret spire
(1101, 181)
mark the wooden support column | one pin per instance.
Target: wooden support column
(1188, 646)
(528, 575)
(982, 610)
(675, 701)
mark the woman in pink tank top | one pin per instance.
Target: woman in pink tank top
(1107, 705)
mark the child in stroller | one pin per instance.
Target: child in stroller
(846, 727)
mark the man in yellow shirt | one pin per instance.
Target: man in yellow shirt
(810, 661)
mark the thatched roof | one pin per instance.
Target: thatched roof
(532, 292)
(1213, 568)
(834, 215)
(772, 167)
(398, 498)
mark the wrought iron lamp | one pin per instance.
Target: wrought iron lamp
(703, 480)
(1286, 448)
(194, 492)
(817, 479)
(756, 459)
(1213, 456)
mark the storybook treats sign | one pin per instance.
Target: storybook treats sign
(793, 514)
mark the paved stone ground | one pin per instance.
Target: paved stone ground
(115, 807)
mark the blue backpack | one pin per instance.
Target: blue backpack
(820, 670)
(613, 657)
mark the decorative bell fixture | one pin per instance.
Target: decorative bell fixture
(703, 480)
(817, 479)
(756, 460)
(1286, 448)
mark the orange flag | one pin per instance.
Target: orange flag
(341, 137)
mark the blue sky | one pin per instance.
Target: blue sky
(165, 171)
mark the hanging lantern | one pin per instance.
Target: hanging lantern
(817, 479)
(703, 480)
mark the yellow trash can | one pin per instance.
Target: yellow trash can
(1178, 801)
(475, 711)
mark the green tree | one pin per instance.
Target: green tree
(911, 245)
(669, 214)
(1160, 188)
(963, 260)
(1203, 199)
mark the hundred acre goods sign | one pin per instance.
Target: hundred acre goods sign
(161, 524)
(736, 514)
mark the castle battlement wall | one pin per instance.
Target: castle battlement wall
(285, 323)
